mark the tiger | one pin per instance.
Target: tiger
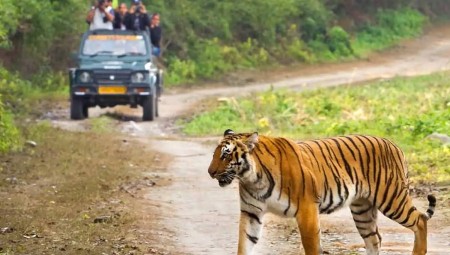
(307, 178)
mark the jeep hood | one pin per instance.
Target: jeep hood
(115, 64)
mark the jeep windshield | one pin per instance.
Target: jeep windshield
(114, 45)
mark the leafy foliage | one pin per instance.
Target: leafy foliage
(18, 96)
(292, 31)
(34, 34)
(203, 39)
(392, 26)
(9, 134)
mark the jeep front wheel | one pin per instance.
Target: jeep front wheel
(76, 108)
(157, 107)
(86, 111)
(149, 107)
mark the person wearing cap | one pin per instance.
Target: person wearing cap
(137, 18)
(100, 16)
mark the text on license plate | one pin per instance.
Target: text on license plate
(112, 90)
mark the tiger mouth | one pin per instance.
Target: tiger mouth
(226, 179)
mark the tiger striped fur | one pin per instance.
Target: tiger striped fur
(304, 179)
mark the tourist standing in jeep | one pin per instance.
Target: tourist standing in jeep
(155, 35)
(100, 16)
(137, 18)
(119, 18)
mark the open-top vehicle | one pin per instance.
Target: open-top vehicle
(115, 67)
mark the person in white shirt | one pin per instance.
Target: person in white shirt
(101, 16)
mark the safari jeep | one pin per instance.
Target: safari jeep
(115, 68)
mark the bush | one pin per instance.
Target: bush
(14, 90)
(391, 26)
(298, 51)
(9, 134)
(180, 72)
(209, 58)
(339, 42)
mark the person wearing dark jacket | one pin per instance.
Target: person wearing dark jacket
(137, 18)
(119, 18)
(155, 34)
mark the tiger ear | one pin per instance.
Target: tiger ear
(252, 140)
(228, 132)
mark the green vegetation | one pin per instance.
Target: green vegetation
(288, 37)
(33, 36)
(37, 36)
(101, 125)
(20, 97)
(406, 110)
(392, 26)
(9, 135)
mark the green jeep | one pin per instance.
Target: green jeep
(115, 67)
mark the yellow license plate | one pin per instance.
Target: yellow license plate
(112, 90)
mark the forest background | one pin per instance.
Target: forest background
(202, 39)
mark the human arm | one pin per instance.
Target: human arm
(90, 15)
(143, 9)
(109, 14)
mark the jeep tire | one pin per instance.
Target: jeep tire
(85, 111)
(149, 107)
(76, 108)
(159, 84)
(157, 107)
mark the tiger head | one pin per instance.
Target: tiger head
(232, 157)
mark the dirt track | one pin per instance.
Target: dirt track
(204, 217)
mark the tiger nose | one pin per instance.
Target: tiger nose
(212, 172)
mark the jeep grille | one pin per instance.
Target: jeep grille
(112, 77)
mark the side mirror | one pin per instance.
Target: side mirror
(152, 68)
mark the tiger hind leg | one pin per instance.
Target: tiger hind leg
(408, 216)
(365, 217)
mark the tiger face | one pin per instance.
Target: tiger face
(231, 157)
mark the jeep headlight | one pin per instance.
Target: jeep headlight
(137, 77)
(85, 77)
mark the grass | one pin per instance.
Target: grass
(52, 193)
(392, 27)
(21, 99)
(405, 110)
(101, 124)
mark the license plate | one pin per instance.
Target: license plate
(112, 90)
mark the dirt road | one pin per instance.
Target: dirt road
(204, 217)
